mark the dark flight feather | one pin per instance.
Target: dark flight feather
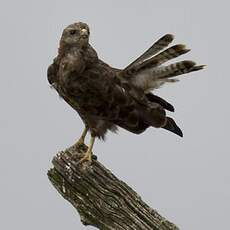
(159, 45)
(172, 127)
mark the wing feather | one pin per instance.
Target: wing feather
(148, 72)
(159, 45)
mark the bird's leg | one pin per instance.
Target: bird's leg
(88, 154)
(81, 140)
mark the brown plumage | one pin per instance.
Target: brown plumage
(106, 97)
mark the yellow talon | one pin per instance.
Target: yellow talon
(88, 154)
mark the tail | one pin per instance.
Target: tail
(172, 127)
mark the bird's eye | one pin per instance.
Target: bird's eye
(72, 32)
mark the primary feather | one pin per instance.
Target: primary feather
(147, 71)
(159, 45)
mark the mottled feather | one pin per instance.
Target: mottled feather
(106, 97)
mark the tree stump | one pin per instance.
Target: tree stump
(101, 199)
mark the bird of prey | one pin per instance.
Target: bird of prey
(107, 97)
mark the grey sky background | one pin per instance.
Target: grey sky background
(187, 180)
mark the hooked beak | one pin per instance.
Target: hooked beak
(84, 33)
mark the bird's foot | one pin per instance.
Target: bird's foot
(87, 157)
(80, 146)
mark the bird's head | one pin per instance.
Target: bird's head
(76, 34)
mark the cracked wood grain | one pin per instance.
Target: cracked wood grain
(101, 199)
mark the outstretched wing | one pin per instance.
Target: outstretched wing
(147, 71)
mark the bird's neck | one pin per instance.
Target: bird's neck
(88, 53)
(66, 48)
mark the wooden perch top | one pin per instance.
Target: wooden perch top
(101, 199)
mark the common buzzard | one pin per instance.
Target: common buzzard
(107, 97)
